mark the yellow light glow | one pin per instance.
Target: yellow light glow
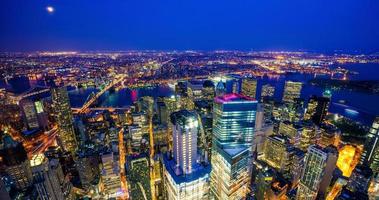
(347, 159)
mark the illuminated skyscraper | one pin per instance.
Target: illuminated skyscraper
(220, 88)
(292, 90)
(317, 109)
(319, 166)
(110, 175)
(267, 91)
(185, 178)
(185, 130)
(16, 162)
(63, 114)
(33, 113)
(47, 177)
(208, 90)
(370, 155)
(275, 150)
(249, 87)
(233, 129)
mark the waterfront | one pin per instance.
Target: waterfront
(356, 105)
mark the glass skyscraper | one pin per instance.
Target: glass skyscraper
(233, 129)
(184, 176)
(370, 155)
(63, 114)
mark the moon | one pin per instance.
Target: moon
(50, 9)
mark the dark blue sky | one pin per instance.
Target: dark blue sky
(321, 25)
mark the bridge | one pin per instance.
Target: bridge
(94, 97)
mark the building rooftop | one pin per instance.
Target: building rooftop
(199, 171)
(228, 98)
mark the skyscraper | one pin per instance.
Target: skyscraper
(63, 114)
(249, 87)
(319, 166)
(233, 129)
(317, 109)
(17, 165)
(208, 90)
(185, 178)
(370, 154)
(46, 177)
(110, 175)
(292, 90)
(33, 113)
(267, 91)
(185, 130)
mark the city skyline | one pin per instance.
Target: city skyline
(189, 100)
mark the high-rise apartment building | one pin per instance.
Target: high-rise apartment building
(63, 114)
(292, 90)
(233, 131)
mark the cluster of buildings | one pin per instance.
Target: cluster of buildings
(213, 139)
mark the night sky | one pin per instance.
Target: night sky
(317, 25)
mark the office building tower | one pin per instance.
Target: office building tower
(292, 90)
(262, 130)
(249, 87)
(46, 178)
(359, 180)
(329, 135)
(185, 130)
(267, 91)
(87, 166)
(162, 112)
(319, 166)
(309, 134)
(291, 130)
(136, 134)
(220, 89)
(296, 166)
(16, 162)
(208, 90)
(294, 112)
(370, 154)
(275, 151)
(63, 114)
(181, 88)
(146, 104)
(185, 177)
(138, 175)
(233, 129)
(195, 88)
(317, 109)
(33, 113)
(110, 175)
